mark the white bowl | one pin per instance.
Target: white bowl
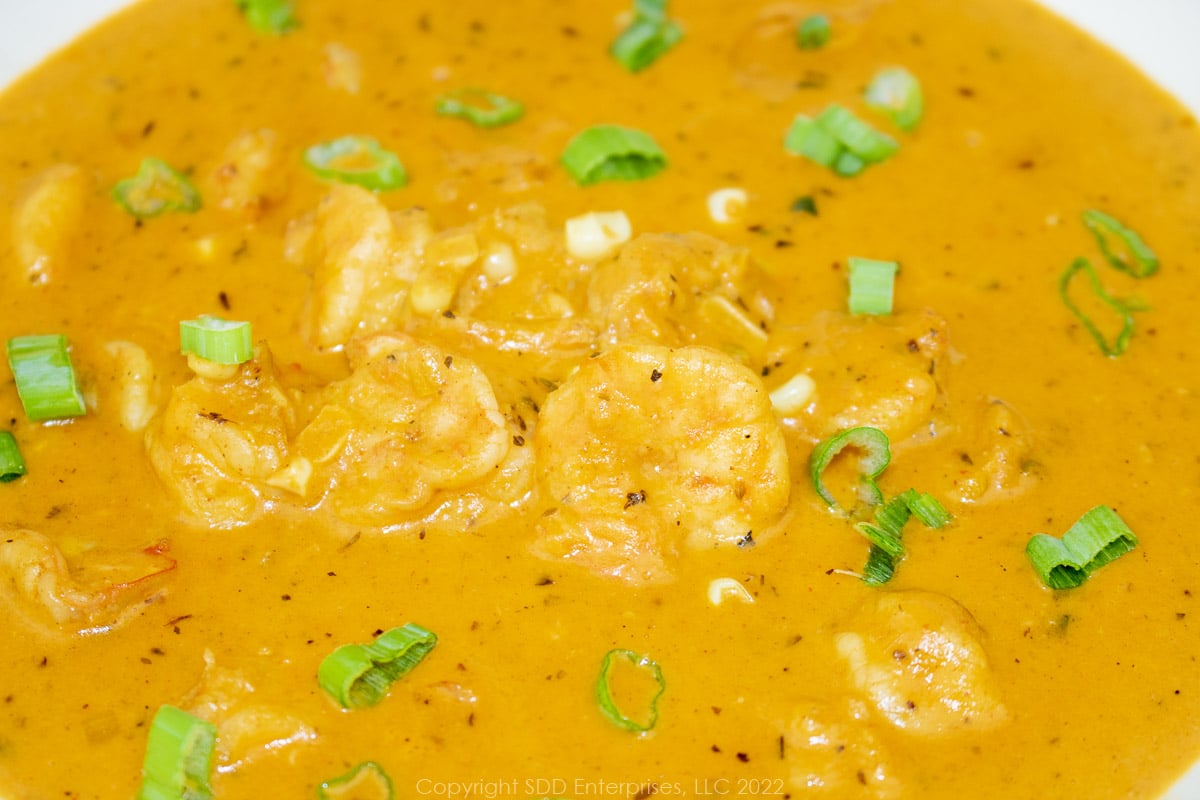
(1158, 36)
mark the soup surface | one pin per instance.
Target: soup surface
(544, 447)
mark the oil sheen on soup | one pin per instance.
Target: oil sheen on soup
(551, 385)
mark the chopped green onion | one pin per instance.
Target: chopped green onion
(179, 757)
(1124, 310)
(358, 675)
(877, 455)
(806, 138)
(1097, 538)
(156, 189)
(1123, 248)
(897, 92)
(12, 466)
(871, 285)
(45, 378)
(813, 32)
(481, 108)
(855, 135)
(604, 690)
(272, 17)
(806, 204)
(612, 153)
(886, 530)
(650, 9)
(848, 165)
(358, 160)
(366, 781)
(880, 567)
(644, 42)
(217, 340)
(926, 508)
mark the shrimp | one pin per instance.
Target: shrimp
(647, 449)
(918, 658)
(410, 426)
(218, 440)
(249, 179)
(101, 592)
(45, 219)
(363, 259)
(866, 371)
(681, 289)
(246, 731)
(832, 752)
(136, 384)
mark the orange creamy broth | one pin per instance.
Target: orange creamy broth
(1027, 124)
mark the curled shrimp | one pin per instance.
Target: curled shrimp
(98, 593)
(646, 450)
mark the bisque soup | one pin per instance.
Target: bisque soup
(585, 399)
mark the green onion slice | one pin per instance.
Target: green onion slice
(897, 92)
(366, 781)
(880, 567)
(156, 189)
(359, 676)
(927, 509)
(358, 160)
(272, 17)
(871, 285)
(215, 339)
(179, 757)
(645, 41)
(481, 108)
(848, 165)
(12, 465)
(1097, 538)
(877, 455)
(1123, 248)
(1123, 309)
(650, 9)
(855, 135)
(886, 531)
(612, 153)
(813, 32)
(806, 138)
(604, 690)
(41, 366)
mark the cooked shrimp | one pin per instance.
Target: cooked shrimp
(136, 386)
(918, 657)
(100, 592)
(681, 289)
(218, 440)
(868, 371)
(409, 423)
(249, 177)
(246, 730)
(646, 449)
(45, 219)
(832, 752)
(363, 260)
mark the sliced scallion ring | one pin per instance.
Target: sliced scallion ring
(604, 690)
(481, 108)
(871, 285)
(45, 378)
(12, 465)
(897, 92)
(813, 32)
(1097, 538)
(272, 17)
(367, 780)
(1120, 342)
(886, 531)
(359, 676)
(806, 138)
(855, 135)
(612, 153)
(179, 757)
(880, 567)
(156, 189)
(358, 160)
(645, 41)
(877, 455)
(1122, 246)
(218, 340)
(927, 509)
